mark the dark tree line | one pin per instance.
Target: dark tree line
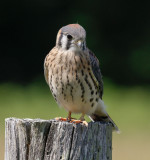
(118, 32)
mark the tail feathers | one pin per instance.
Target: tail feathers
(100, 114)
(114, 125)
(104, 118)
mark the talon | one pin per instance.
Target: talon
(57, 118)
(79, 121)
(85, 123)
(75, 121)
(64, 119)
(72, 120)
(60, 119)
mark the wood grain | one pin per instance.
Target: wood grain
(36, 139)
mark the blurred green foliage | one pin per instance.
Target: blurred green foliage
(140, 58)
(128, 107)
(118, 32)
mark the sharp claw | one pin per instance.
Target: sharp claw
(71, 120)
(79, 121)
(85, 123)
(57, 118)
(60, 119)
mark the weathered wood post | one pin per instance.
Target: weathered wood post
(28, 139)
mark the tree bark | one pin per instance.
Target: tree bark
(28, 139)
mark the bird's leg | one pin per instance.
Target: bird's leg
(81, 120)
(64, 119)
(69, 116)
(72, 120)
(82, 117)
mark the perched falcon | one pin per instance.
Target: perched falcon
(74, 77)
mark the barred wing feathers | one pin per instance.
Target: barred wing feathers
(96, 72)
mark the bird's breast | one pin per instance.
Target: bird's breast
(71, 82)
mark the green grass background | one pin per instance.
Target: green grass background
(128, 106)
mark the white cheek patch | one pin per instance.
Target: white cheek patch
(64, 41)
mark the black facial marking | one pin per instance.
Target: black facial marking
(60, 38)
(68, 45)
(83, 46)
(69, 37)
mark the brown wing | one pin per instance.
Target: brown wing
(96, 71)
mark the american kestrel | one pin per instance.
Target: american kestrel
(74, 77)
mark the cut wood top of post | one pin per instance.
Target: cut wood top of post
(50, 139)
(31, 121)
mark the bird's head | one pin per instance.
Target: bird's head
(72, 37)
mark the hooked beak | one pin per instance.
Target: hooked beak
(80, 44)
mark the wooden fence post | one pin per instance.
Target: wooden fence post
(36, 139)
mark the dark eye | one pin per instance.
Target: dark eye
(69, 37)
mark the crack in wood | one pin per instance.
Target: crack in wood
(27, 139)
(71, 143)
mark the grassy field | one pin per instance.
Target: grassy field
(129, 107)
